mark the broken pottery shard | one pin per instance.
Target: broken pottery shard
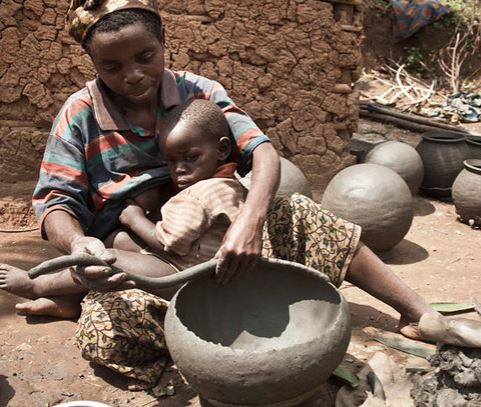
(452, 331)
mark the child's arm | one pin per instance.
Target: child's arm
(134, 217)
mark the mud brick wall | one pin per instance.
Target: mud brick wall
(289, 64)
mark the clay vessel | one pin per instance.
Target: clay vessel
(402, 159)
(374, 197)
(292, 180)
(467, 192)
(443, 154)
(268, 338)
(474, 146)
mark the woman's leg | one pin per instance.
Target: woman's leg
(51, 293)
(371, 275)
(297, 229)
(123, 331)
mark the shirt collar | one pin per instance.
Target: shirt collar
(225, 171)
(109, 116)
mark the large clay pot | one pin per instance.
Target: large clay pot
(467, 192)
(374, 197)
(474, 146)
(402, 159)
(271, 337)
(443, 154)
(292, 180)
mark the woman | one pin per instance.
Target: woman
(101, 151)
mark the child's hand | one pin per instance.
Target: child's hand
(131, 213)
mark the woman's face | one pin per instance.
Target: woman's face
(130, 62)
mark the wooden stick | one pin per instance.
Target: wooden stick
(351, 28)
(410, 117)
(407, 124)
(348, 2)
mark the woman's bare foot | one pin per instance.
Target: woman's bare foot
(16, 281)
(409, 329)
(59, 307)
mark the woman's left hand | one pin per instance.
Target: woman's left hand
(240, 249)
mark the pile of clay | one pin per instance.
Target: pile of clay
(455, 380)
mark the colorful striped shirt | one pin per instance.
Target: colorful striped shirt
(95, 159)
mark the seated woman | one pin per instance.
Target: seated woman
(102, 151)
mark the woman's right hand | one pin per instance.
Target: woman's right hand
(97, 278)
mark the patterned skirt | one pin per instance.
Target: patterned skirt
(123, 330)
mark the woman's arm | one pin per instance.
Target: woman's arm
(243, 240)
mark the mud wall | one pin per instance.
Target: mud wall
(289, 64)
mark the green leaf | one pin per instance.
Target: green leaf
(450, 307)
(406, 345)
(346, 376)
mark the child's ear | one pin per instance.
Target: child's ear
(223, 148)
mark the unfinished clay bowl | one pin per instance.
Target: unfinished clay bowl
(467, 192)
(443, 154)
(268, 338)
(374, 197)
(402, 159)
(292, 180)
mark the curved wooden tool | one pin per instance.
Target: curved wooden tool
(154, 283)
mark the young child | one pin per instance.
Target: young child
(195, 144)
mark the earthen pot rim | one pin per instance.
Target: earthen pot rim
(473, 165)
(443, 137)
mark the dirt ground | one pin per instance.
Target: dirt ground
(40, 365)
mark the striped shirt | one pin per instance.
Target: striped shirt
(95, 159)
(195, 220)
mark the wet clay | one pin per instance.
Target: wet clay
(268, 338)
(456, 380)
(456, 331)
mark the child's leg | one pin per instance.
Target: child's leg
(370, 274)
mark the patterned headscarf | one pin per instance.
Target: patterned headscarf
(83, 14)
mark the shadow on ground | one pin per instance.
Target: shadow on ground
(406, 252)
(422, 206)
(6, 391)
(366, 315)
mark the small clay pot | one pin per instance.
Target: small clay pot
(467, 193)
(402, 159)
(374, 197)
(474, 146)
(271, 337)
(292, 180)
(443, 154)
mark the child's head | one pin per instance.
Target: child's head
(195, 141)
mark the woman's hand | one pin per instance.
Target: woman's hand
(240, 249)
(242, 243)
(97, 278)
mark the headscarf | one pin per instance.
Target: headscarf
(83, 14)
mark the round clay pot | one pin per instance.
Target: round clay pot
(474, 146)
(467, 192)
(270, 337)
(374, 197)
(292, 180)
(443, 154)
(402, 159)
